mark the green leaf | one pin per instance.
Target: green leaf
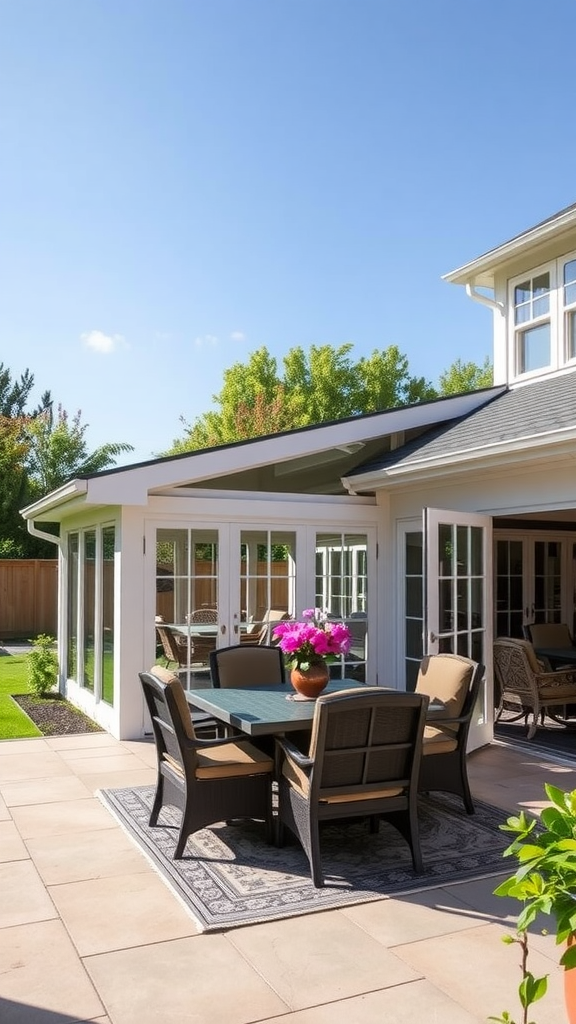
(531, 989)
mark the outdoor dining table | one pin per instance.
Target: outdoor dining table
(557, 655)
(266, 710)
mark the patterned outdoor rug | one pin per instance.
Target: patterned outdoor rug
(229, 876)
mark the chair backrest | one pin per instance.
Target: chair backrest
(449, 678)
(172, 650)
(262, 629)
(516, 667)
(170, 715)
(366, 739)
(247, 665)
(203, 615)
(549, 634)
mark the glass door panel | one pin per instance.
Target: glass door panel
(459, 599)
(187, 582)
(509, 585)
(267, 584)
(342, 592)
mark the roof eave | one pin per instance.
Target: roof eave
(557, 444)
(62, 496)
(481, 270)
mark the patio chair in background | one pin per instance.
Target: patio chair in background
(548, 634)
(175, 652)
(363, 761)
(455, 681)
(527, 687)
(247, 665)
(260, 632)
(209, 780)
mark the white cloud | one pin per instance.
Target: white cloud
(206, 340)
(100, 342)
(237, 336)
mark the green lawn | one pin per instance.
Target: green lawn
(14, 724)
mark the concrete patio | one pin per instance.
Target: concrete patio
(90, 932)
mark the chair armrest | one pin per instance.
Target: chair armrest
(292, 751)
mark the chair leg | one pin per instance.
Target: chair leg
(158, 800)
(314, 856)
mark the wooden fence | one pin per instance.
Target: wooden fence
(28, 597)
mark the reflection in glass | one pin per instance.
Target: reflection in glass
(108, 541)
(72, 648)
(89, 609)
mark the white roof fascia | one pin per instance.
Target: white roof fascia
(481, 270)
(497, 454)
(68, 492)
(132, 485)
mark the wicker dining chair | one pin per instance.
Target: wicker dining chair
(208, 780)
(455, 681)
(527, 687)
(363, 761)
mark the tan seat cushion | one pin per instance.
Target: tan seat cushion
(438, 740)
(559, 691)
(232, 760)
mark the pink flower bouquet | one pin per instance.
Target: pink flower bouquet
(313, 640)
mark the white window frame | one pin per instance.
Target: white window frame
(518, 330)
(558, 318)
(567, 311)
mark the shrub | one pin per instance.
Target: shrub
(42, 663)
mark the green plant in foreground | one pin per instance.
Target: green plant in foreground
(42, 665)
(545, 883)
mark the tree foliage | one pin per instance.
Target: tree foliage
(461, 377)
(317, 385)
(58, 450)
(38, 452)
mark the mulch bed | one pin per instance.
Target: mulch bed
(55, 716)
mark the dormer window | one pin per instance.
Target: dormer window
(569, 298)
(543, 318)
(532, 323)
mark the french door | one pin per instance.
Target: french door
(458, 599)
(227, 583)
(534, 580)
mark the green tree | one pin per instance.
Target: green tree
(319, 385)
(58, 450)
(14, 488)
(461, 377)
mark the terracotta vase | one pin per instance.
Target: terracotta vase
(311, 683)
(570, 989)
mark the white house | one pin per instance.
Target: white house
(429, 527)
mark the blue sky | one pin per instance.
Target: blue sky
(186, 181)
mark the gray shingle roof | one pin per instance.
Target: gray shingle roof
(521, 412)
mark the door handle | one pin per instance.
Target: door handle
(223, 629)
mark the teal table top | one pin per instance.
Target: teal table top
(259, 710)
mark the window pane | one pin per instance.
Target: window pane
(569, 294)
(571, 332)
(541, 306)
(89, 608)
(108, 614)
(73, 559)
(541, 284)
(522, 293)
(570, 272)
(534, 348)
(522, 313)
(414, 553)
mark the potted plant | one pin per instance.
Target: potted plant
(309, 646)
(545, 883)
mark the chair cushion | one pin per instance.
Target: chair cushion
(438, 740)
(446, 678)
(557, 690)
(232, 760)
(550, 634)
